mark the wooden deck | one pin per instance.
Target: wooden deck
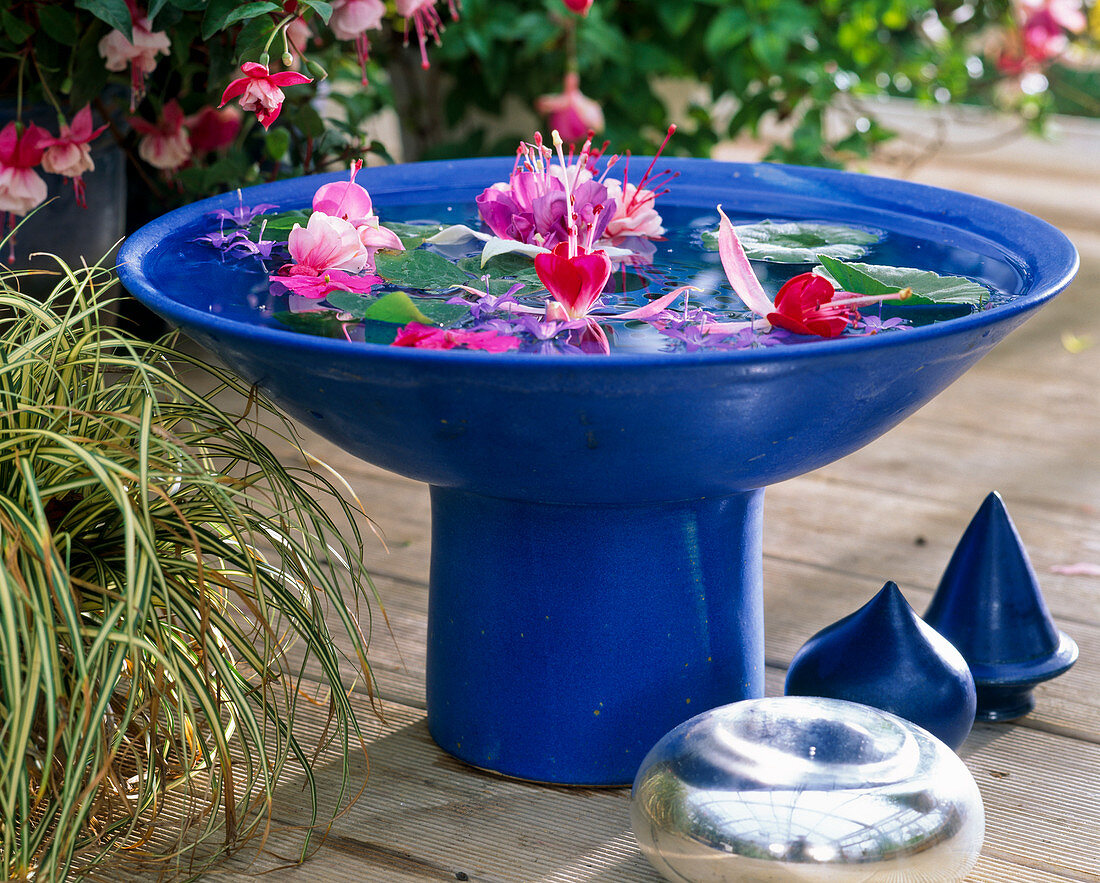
(1025, 421)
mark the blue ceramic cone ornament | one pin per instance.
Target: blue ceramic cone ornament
(989, 606)
(883, 655)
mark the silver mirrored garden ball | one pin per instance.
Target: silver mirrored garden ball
(809, 789)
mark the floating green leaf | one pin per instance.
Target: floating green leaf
(512, 267)
(798, 242)
(412, 235)
(397, 307)
(419, 268)
(321, 323)
(278, 226)
(928, 287)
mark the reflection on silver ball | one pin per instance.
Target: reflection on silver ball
(809, 789)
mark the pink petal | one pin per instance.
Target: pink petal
(289, 78)
(234, 90)
(655, 306)
(739, 271)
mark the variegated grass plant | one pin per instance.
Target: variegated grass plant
(156, 564)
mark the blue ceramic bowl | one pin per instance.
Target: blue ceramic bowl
(596, 569)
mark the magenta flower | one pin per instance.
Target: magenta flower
(804, 305)
(70, 153)
(213, 129)
(416, 334)
(351, 19)
(21, 187)
(260, 91)
(302, 280)
(573, 114)
(580, 7)
(166, 143)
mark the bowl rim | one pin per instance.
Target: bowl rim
(1047, 254)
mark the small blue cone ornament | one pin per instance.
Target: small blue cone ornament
(990, 607)
(884, 656)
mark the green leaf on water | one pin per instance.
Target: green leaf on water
(928, 287)
(396, 307)
(419, 268)
(798, 242)
(278, 226)
(320, 323)
(412, 235)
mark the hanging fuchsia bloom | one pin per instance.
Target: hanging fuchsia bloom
(572, 113)
(70, 153)
(21, 187)
(164, 144)
(351, 19)
(260, 91)
(213, 129)
(352, 203)
(580, 7)
(140, 53)
(423, 15)
(416, 334)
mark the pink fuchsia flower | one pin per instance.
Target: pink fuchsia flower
(260, 91)
(21, 187)
(423, 15)
(164, 144)
(140, 53)
(635, 214)
(351, 19)
(325, 243)
(352, 203)
(580, 7)
(70, 153)
(213, 129)
(575, 281)
(416, 334)
(573, 114)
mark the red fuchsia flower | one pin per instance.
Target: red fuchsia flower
(260, 91)
(416, 334)
(213, 129)
(164, 144)
(423, 15)
(575, 280)
(21, 187)
(804, 305)
(140, 53)
(351, 19)
(573, 114)
(70, 153)
(580, 7)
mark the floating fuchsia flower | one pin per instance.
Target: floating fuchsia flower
(325, 243)
(573, 114)
(21, 187)
(575, 280)
(302, 280)
(70, 153)
(140, 53)
(165, 144)
(260, 91)
(426, 20)
(533, 205)
(804, 305)
(352, 203)
(416, 334)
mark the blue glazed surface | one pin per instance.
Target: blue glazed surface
(646, 450)
(884, 656)
(990, 606)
